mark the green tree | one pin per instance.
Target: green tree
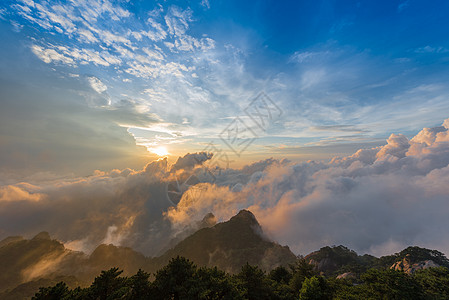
(253, 283)
(57, 292)
(176, 280)
(140, 287)
(434, 282)
(108, 285)
(301, 270)
(280, 275)
(391, 284)
(280, 278)
(215, 284)
(315, 288)
(78, 294)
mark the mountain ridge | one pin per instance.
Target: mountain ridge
(228, 245)
(26, 264)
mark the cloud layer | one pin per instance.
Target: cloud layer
(377, 200)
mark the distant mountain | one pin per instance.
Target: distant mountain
(415, 258)
(24, 260)
(341, 260)
(25, 264)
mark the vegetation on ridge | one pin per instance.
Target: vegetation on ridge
(182, 279)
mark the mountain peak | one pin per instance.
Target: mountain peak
(230, 245)
(42, 236)
(209, 220)
(245, 216)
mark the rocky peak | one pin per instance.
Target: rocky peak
(230, 245)
(209, 220)
(246, 217)
(42, 236)
(410, 268)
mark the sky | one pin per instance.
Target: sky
(89, 85)
(331, 106)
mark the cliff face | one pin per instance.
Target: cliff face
(408, 267)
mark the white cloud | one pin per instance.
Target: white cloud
(311, 78)
(79, 21)
(178, 20)
(157, 33)
(301, 57)
(97, 85)
(375, 200)
(205, 3)
(371, 201)
(87, 36)
(153, 54)
(429, 49)
(16, 26)
(51, 55)
(71, 55)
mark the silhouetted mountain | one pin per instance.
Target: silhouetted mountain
(108, 256)
(230, 245)
(10, 239)
(209, 220)
(26, 265)
(25, 260)
(28, 289)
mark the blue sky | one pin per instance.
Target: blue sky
(82, 82)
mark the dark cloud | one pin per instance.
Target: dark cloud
(189, 161)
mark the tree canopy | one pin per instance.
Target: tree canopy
(182, 279)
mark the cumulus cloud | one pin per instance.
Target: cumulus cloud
(394, 195)
(189, 161)
(375, 201)
(119, 207)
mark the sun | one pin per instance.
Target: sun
(160, 151)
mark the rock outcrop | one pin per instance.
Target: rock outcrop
(408, 267)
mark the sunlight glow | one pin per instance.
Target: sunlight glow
(160, 151)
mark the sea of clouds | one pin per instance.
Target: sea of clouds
(376, 201)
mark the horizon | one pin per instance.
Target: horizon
(126, 122)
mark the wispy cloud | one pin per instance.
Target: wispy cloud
(97, 85)
(164, 58)
(403, 5)
(429, 49)
(51, 55)
(158, 47)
